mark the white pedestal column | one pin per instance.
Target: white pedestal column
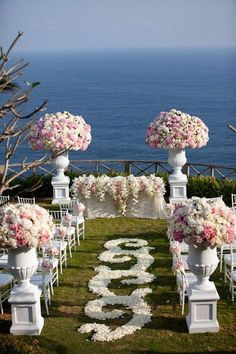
(26, 312)
(25, 297)
(177, 180)
(60, 182)
(202, 316)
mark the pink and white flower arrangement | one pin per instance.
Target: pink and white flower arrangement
(61, 231)
(177, 130)
(25, 225)
(68, 217)
(201, 222)
(175, 248)
(60, 131)
(79, 208)
(120, 189)
(52, 251)
(178, 267)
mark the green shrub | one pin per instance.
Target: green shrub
(199, 186)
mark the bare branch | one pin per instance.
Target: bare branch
(232, 128)
(36, 110)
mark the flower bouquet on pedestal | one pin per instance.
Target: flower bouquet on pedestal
(203, 225)
(60, 132)
(24, 227)
(175, 131)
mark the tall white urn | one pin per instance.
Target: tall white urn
(177, 180)
(60, 182)
(25, 297)
(202, 261)
(202, 294)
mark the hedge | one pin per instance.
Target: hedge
(199, 186)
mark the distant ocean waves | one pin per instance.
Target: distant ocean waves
(119, 93)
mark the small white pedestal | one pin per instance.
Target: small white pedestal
(177, 180)
(178, 190)
(60, 190)
(202, 316)
(26, 312)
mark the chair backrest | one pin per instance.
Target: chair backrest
(57, 215)
(4, 198)
(233, 200)
(23, 200)
(69, 206)
(214, 198)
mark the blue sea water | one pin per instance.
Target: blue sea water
(119, 92)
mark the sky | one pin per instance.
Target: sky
(99, 24)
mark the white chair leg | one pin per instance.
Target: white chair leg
(1, 307)
(221, 259)
(83, 230)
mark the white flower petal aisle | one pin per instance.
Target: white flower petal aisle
(137, 274)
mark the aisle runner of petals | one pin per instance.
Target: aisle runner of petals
(137, 274)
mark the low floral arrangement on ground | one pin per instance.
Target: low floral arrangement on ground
(119, 188)
(199, 221)
(177, 130)
(60, 131)
(25, 225)
(99, 284)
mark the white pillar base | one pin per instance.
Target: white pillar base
(178, 191)
(202, 316)
(60, 190)
(26, 312)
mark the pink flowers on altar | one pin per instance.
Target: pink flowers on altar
(177, 130)
(79, 208)
(60, 131)
(199, 221)
(25, 225)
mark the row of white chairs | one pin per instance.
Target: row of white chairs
(21, 200)
(47, 278)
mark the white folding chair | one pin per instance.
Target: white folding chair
(53, 269)
(43, 281)
(233, 284)
(61, 245)
(224, 249)
(77, 220)
(22, 200)
(6, 284)
(3, 259)
(183, 280)
(229, 264)
(59, 219)
(4, 198)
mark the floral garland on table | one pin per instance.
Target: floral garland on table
(201, 222)
(119, 188)
(137, 274)
(25, 225)
(60, 131)
(177, 130)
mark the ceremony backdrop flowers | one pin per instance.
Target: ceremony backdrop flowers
(199, 221)
(176, 130)
(60, 131)
(25, 225)
(119, 188)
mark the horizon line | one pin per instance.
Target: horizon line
(36, 50)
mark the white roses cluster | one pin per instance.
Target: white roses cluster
(137, 274)
(121, 189)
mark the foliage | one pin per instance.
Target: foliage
(210, 187)
(198, 186)
(15, 124)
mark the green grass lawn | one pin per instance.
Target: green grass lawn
(166, 333)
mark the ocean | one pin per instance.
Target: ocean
(120, 92)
